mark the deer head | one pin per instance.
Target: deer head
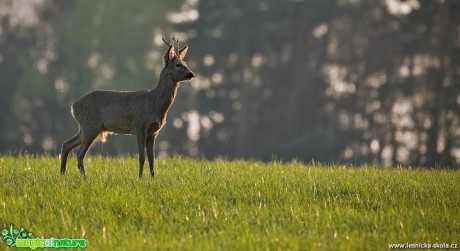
(173, 59)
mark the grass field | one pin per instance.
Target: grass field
(195, 204)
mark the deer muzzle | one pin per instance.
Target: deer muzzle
(190, 75)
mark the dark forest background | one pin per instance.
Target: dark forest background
(350, 81)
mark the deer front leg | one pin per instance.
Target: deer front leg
(150, 147)
(141, 138)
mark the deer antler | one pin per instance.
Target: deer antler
(169, 43)
(166, 42)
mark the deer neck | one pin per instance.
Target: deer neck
(164, 94)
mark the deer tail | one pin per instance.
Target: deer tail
(103, 136)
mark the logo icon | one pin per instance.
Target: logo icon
(11, 235)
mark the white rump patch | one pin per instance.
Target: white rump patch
(71, 111)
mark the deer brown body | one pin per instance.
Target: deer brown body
(140, 113)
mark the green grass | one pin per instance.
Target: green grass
(195, 204)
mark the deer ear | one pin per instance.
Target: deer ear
(171, 52)
(183, 52)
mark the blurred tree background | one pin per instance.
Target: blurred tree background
(347, 81)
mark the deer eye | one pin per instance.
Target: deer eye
(178, 65)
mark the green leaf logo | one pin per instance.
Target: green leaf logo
(9, 236)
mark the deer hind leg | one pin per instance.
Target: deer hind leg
(88, 138)
(68, 146)
(150, 147)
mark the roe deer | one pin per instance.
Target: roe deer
(140, 113)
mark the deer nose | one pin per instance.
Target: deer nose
(190, 75)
